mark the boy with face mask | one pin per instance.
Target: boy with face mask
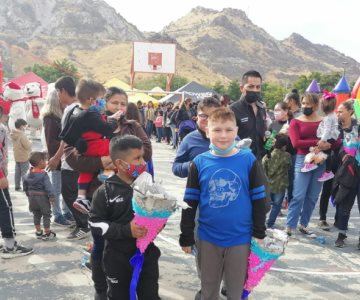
(250, 112)
(111, 216)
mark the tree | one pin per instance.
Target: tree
(178, 82)
(160, 81)
(326, 81)
(53, 72)
(233, 90)
(273, 93)
(219, 88)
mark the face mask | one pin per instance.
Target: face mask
(252, 97)
(222, 151)
(98, 106)
(307, 111)
(135, 170)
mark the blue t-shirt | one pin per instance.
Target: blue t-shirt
(225, 187)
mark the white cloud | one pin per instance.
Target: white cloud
(331, 22)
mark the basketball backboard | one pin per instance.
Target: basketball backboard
(154, 58)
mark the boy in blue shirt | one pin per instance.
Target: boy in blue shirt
(227, 185)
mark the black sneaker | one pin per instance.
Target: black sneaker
(82, 205)
(79, 234)
(17, 189)
(39, 234)
(358, 246)
(49, 236)
(340, 242)
(16, 251)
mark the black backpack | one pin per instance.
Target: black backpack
(346, 178)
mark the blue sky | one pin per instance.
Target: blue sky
(335, 23)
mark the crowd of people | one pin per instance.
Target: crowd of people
(97, 144)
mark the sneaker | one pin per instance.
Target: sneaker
(17, 189)
(82, 205)
(358, 246)
(49, 236)
(324, 225)
(326, 176)
(308, 167)
(61, 221)
(39, 234)
(16, 251)
(1, 248)
(79, 234)
(340, 242)
(307, 232)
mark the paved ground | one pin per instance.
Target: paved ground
(309, 270)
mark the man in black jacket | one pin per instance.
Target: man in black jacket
(111, 216)
(250, 112)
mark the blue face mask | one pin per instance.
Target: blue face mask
(98, 106)
(222, 151)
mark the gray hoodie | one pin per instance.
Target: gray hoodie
(38, 182)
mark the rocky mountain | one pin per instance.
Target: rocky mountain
(88, 32)
(230, 43)
(23, 20)
(211, 45)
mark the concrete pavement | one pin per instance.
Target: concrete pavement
(309, 270)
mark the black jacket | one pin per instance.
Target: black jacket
(79, 121)
(111, 213)
(346, 178)
(251, 126)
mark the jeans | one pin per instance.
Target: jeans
(276, 201)
(149, 127)
(20, 170)
(174, 135)
(55, 178)
(159, 133)
(305, 194)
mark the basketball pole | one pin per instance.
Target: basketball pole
(169, 78)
